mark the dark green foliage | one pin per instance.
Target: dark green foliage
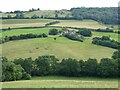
(107, 68)
(50, 65)
(45, 65)
(26, 76)
(69, 67)
(25, 63)
(23, 36)
(53, 32)
(106, 41)
(116, 54)
(105, 15)
(105, 30)
(11, 71)
(90, 67)
(74, 37)
(85, 32)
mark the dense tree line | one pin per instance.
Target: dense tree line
(106, 41)
(105, 30)
(21, 37)
(50, 65)
(105, 15)
(73, 36)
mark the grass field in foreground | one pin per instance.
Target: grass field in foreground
(62, 48)
(63, 82)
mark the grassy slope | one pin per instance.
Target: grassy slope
(15, 23)
(81, 24)
(26, 31)
(63, 82)
(48, 13)
(62, 48)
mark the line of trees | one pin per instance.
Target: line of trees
(50, 65)
(22, 36)
(105, 30)
(106, 41)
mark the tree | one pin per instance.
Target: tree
(107, 68)
(53, 32)
(69, 67)
(11, 71)
(45, 65)
(19, 16)
(91, 67)
(86, 32)
(116, 54)
(25, 63)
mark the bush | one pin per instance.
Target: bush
(26, 76)
(86, 33)
(74, 37)
(53, 32)
(11, 71)
(106, 41)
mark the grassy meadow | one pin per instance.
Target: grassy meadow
(61, 48)
(81, 24)
(18, 23)
(62, 82)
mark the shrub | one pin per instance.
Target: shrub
(53, 32)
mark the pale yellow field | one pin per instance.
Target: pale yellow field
(81, 24)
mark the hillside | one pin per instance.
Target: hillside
(62, 47)
(18, 23)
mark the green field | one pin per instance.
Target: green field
(17, 23)
(26, 31)
(62, 82)
(62, 48)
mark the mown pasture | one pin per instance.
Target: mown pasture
(17, 23)
(62, 48)
(63, 82)
(81, 24)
